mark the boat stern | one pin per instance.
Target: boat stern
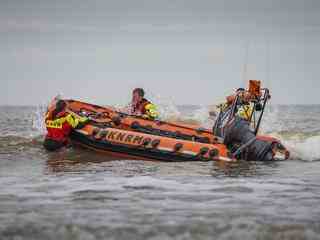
(280, 152)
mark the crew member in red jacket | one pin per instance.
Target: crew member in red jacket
(59, 124)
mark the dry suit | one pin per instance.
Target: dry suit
(59, 129)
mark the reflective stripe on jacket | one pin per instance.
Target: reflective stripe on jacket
(59, 129)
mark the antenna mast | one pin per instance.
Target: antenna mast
(245, 65)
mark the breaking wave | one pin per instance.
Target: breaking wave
(296, 130)
(307, 149)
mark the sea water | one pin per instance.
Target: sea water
(79, 194)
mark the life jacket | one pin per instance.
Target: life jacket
(146, 109)
(245, 112)
(140, 108)
(59, 128)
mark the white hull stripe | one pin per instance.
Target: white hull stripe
(225, 159)
(83, 132)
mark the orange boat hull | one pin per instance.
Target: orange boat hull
(134, 137)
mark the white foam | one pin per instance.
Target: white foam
(301, 146)
(307, 149)
(202, 115)
(271, 120)
(38, 120)
(166, 107)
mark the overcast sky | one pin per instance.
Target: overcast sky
(192, 52)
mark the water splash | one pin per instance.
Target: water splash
(305, 149)
(287, 124)
(38, 116)
(166, 107)
(272, 121)
(206, 115)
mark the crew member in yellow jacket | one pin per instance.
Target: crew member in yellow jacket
(140, 106)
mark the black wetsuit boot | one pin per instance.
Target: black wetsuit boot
(52, 145)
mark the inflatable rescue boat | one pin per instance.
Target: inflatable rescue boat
(134, 137)
(129, 136)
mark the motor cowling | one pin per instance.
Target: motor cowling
(238, 132)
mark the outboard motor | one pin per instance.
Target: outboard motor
(239, 134)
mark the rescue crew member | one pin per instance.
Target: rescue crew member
(245, 110)
(141, 106)
(59, 124)
(234, 126)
